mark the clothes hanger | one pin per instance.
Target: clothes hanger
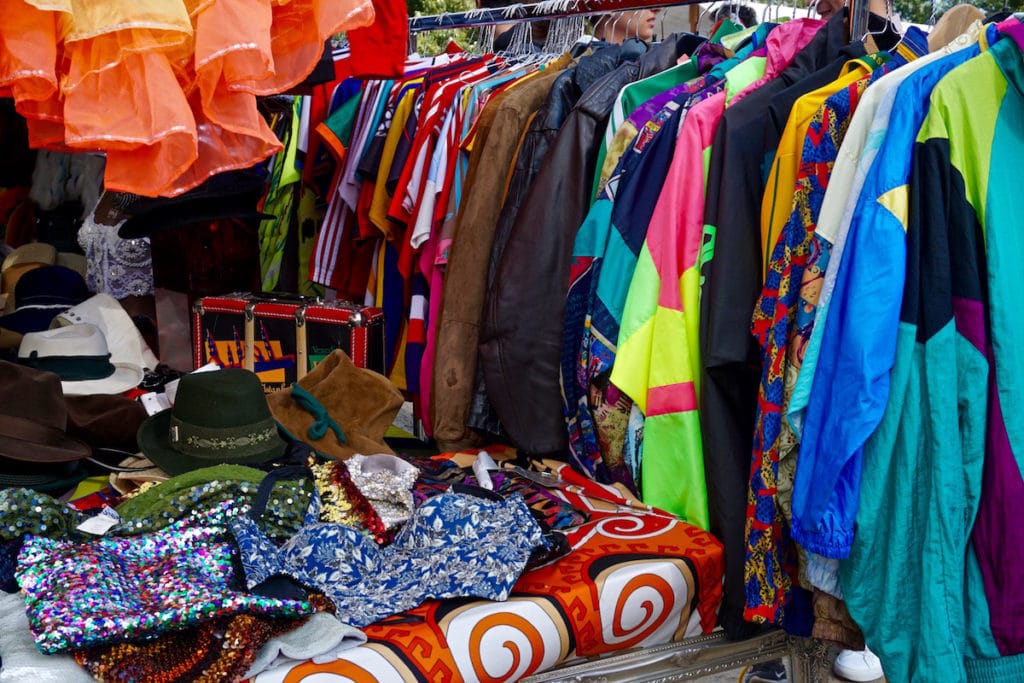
(704, 13)
(888, 21)
(615, 23)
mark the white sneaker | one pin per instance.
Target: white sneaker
(858, 665)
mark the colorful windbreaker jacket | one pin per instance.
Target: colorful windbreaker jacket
(613, 233)
(652, 367)
(851, 380)
(943, 470)
(771, 562)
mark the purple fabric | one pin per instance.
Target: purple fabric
(708, 55)
(1015, 31)
(970, 322)
(997, 545)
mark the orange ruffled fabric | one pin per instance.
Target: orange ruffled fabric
(165, 88)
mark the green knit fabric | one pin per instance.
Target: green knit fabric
(23, 511)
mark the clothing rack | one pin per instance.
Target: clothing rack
(559, 9)
(540, 11)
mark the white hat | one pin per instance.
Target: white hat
(78, 354)
(123, 339)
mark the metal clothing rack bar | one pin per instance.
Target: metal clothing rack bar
(551, 9)
(859, 10)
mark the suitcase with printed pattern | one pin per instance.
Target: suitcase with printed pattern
(282, 337)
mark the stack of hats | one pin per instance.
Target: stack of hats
(36, 287)
(29, 257)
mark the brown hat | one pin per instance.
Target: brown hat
(338, 397)
(33, 417)
(105, 420)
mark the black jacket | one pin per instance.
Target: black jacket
(521, 340)
(747, 138)
(565, 92)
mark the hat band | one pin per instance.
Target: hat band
(28, 430)
(72, 368)
(222, 442)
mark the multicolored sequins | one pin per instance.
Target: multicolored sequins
(341, 502)
(117, 589)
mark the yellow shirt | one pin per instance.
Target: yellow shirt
(777, 203)
(381, 197)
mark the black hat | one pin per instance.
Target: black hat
(233, 194)
(41, 295)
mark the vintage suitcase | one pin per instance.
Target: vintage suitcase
(281, 337)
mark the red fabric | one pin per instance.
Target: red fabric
(379, 50)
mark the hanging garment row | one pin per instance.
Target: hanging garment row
(564, 242)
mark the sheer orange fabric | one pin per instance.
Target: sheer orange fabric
(166, 88)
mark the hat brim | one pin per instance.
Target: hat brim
(45, 482)
(125, 378)
(28, 451)
(154, 439)
(137, 227)
(31, 319)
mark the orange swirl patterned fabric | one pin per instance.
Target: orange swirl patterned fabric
(633, 579)
(166, 88)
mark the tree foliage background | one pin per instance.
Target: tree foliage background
(921, 11)
(435, 41)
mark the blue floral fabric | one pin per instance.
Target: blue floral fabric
(454, 546)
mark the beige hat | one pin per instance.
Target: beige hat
(134, 472)
(33, 255)
(75, 262)
(33, 252)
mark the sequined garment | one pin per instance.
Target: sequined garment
(389, 490)
(771, 565)
(219, 651)
(341, 502)
(454, 546)
(116, 589)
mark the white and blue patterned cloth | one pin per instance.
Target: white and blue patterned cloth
(455, 545)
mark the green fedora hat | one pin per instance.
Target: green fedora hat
(218, 417)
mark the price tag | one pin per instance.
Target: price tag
(101, 523)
